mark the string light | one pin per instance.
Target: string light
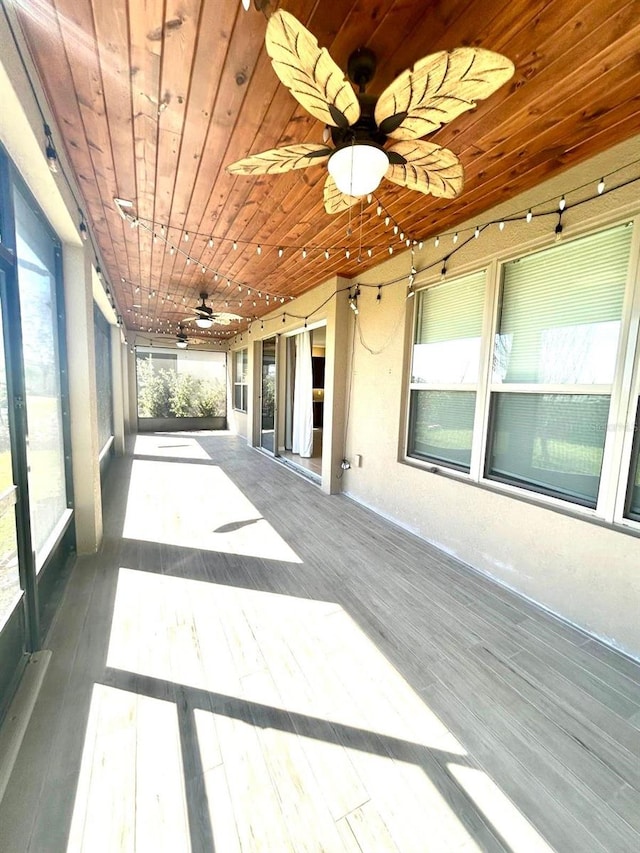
(50, 150)
(258, 249)
(280, 252)
(600, 186)
(304, 253)
(436, 242)
(379, 210)
(529, 215)
(391, 250)
(476, 233)
(455, 238)
(501, 225)
(326, 254)
(563, 203)
(211, 242)
(235, 245)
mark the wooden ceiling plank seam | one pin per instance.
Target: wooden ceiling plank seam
(179, 34)
(101, 170)
(53, 79)
(615, 77)
(258, 207)
(503, 170)
(143, 19)
(539, 89)
(323, 35)
(474, 111)
(112, 36)
(228, 104)
(211, 97)
(540, 173)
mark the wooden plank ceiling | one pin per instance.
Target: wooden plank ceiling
(155, 98)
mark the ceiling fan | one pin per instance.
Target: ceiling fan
(205, 316)
(436, 90)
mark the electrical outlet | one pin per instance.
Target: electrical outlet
(358, 460)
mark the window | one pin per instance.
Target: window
(102, 335)
(554, 364)
(37, 284)
(633, 495)
(240, 369)
(444, 373)
(539, 409)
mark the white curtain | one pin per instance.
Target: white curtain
(303, 398)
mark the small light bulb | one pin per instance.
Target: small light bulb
(437, 242)
(304, 253)
(562, 204)
(280, 252)
(501, 225)
(476, 233)
(386, 220)
(347, 254)
(211, 242)
(600, 186)
(370, 252)
(529, 215)
(258, 250)
(369, 198)
(395, 229)
(379, 210)
(455, 237)
(391, 250)
(172, 250)
(420, 245)
(235, 245)
(186, 236)
(326, 254)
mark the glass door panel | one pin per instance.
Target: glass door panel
(10, 590)
(268, 395)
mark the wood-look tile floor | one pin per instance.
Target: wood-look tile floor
(250, 665)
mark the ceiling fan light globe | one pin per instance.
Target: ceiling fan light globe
(181, 344)
(204, 322)
(358, 169)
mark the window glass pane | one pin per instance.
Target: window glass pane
(9, 577)
(448, 331)
(102, 335)
(441, 426)
(181, 385)
(39, 310)
(633, 502)
(551, 443)
(561, 311)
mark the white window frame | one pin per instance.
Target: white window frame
(240, 354)
(624, 392)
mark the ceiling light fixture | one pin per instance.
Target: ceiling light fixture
(358, 169)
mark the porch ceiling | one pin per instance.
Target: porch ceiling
(154, 99)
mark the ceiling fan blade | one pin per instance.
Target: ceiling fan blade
(427, 168)
(275, 161)
(309, 72)
(334, 200)
(438, 89)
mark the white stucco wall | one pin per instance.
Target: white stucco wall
(585, 572)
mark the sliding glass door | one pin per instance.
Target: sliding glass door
(268, 387)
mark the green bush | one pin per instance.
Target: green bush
(164, 393)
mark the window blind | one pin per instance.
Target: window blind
(561, 310)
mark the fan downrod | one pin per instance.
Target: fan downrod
(361, 67)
